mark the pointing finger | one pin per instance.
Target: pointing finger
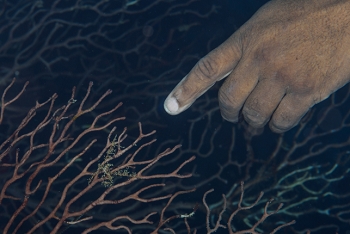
(213, 67)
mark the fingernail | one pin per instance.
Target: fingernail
(171, 105)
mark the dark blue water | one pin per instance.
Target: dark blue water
(141, 49)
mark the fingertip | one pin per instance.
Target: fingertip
(230, 119)
(289, 112)
(171, 105)
(277, 129)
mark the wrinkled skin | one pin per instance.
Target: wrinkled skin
(289, 56)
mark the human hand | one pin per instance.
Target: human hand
(289, 56)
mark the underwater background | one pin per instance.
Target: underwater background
(140, 49)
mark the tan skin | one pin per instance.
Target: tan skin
(289, 56)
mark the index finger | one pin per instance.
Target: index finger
(213, 67)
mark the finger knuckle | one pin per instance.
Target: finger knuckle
(225, 101)
(207, 68)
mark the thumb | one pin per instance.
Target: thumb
(213, 67)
